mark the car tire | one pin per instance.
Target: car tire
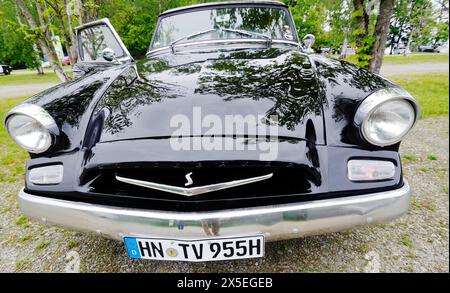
(7, 72)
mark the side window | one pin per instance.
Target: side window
(94, 39)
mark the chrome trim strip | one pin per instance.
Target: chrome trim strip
(212, 4)
(34, 111)
(221, 42)
(194, 190)
(276, 222)
(114, 32)
(41, 116)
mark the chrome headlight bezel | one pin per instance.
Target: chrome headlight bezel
(40, 116)
(376, 100)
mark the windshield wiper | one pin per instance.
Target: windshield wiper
(241, 32)
(248, 33)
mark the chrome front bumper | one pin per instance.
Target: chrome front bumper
(275, 222)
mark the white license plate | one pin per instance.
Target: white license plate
(213, 249)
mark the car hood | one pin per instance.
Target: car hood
(204, 93)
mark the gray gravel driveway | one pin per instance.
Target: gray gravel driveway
(415, 68)
(417, 242)
(15, 91)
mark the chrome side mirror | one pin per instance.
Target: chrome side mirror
(308, 41)
(108, 54)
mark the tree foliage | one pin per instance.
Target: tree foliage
(418, 22)
(335, 23)
(15, 49)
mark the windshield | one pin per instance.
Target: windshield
(218, 23)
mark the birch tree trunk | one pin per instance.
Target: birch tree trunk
(44, 40)
(52, 55)
(59, 11)
(73, 39)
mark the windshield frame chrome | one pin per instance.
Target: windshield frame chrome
(263, 42)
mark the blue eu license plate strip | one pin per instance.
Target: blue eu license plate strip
(213, 249)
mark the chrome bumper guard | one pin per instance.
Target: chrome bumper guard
(276, 222)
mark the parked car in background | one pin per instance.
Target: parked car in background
(324, 50)
(5, 69)
(428, 49)
(443, 48)
(401, 49)
(228, 134)
(349, 51)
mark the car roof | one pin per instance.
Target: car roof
(212, 4)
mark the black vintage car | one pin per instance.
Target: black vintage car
(5, 69)
(230, 133)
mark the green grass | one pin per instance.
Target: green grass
(430, 90)
(411, 158)
(411, 255)
(19, 79)
(33, 70)
(25, 238)
(424, 205)
(408, 59)
(406, 240)
(73, 243)
(42, 244)
(22, 221)
(12, 157)
(24, 264)
(416, 58)
(432, 157)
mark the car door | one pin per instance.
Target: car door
(99, 47)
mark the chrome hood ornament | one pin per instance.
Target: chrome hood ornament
(189, 179)
(194, 190)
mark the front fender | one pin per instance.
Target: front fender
(345, 86)
(71, 105)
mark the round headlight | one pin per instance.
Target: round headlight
(386, 116)
(31, 127)
(389, 122)
(29, 133)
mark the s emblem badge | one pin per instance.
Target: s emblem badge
(189, 179)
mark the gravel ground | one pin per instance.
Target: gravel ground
(417, 68)
(417, 242)
(15, 91)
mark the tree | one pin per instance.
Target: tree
(339, 22)
(308, 18)
(335, 23)
(16, 49)
(440, 34)
(39, 30)
(361, 17)
(404, 11)
(381, 33)
(372, 19)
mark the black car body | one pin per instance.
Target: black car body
(111, 137)
(5, 69)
